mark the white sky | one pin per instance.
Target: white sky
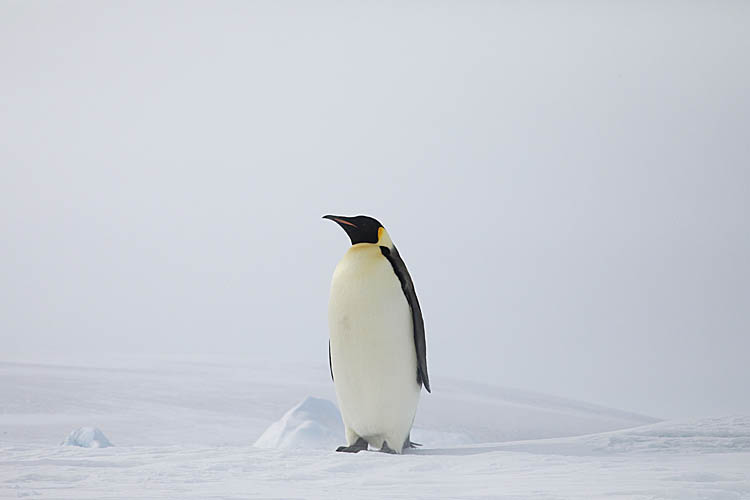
(568, 182)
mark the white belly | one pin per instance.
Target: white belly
(372, 348)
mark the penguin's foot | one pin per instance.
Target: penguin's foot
(387, 449)
(359, 445)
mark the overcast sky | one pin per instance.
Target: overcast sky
(568, 183)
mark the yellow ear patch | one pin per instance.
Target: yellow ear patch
(380, 232)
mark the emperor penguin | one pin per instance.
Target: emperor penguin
(376, 353)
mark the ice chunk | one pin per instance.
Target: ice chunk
(87, 437)
(313, 423)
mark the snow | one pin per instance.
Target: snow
(201, 430)
(314, 423)
(87, 437)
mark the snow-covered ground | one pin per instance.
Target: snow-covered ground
(187, 430)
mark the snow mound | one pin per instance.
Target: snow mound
(87, 437)
(313, 424)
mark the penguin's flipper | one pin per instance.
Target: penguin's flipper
(330, 365)
(407, 285)
(359, 445)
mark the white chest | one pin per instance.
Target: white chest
(366, 302)
(372, 344)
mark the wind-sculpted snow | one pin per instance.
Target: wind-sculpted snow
(87, 437)
(710, 435)
(186, 431)
(313, 423)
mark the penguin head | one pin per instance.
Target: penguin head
(363, 229)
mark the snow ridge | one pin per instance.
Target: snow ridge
(314, 423)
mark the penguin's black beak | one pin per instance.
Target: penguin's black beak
(341, 220)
